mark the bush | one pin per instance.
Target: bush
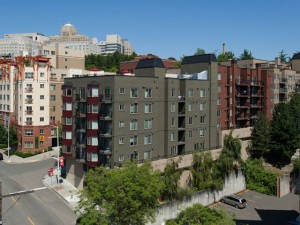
(26, 154)
(258, 178)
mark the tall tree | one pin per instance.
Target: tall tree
(223, 57)
(283, 57)
(200, 51)
(120, 196)
(260, 138)
(246, 55)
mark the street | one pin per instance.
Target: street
(42, 207)
(263, 209)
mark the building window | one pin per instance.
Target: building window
(190, 133)
(92, 108)
(52, 118)
(172, 136)
(42, 108)
(190, 107)
(121, 158)
(147, 139)
(68, 106)
(148, 93)
(230, 112)
(93, 92)
(68, 135)
(42, 85)
(28, 75)
(191, 93)
(28, 132)
(42, 97)
(68, 121)
(133, 108)
(122, 91)
(133, 93)
(147, 154)
(133, 140)
(42, 119)
(202, 119)
(173, 107)
(121, 123)
(52, 87)
(172, 122)
(93, 124)
(41, 131)
(121, 107)
(190, 120)
(67, 92)
(196, 146)
(174, 150)
(148, 124)
(28, 144)
(202, 106)
(133, 124)
(218, 113)
(42, 143)
(148, 108)
(201, 132)
(218, 101)
(52, 108)
(121, 140)
(93, 141)
(173, 92)
(219, 88)
(52, 97)
(202, 93)
(219, 76)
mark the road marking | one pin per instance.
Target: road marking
(30, 220)
(14, 200)
(250, 200)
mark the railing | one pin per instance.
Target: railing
(28, 112)
(242, 105)
(181, 98)
(243, 116)
(28, 90)
(28, 122)
(29, 101)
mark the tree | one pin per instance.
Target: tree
(283, 57)
(199, 215)
(128, 195)
(260, 138)
(172, 58)
(223, 57)
(13, 137)
(3, 136)
(246, 55)
(199, 51)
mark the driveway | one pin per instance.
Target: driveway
(263, 209)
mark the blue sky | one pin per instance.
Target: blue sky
(167, 28)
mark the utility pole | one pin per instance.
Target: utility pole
(14, 194)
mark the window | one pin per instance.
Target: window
(121, 107)
(148, 108)
(121, 123)
(93, 141)
(122, 90)
(190, 134)
(202, 93)
(202, 106)
(68, 135)
(52, 108)
(133, 124)
(201, 132)
(133, 93)
(133, 140)
(42, 108)
(174, 150)
(173, 92)
(190, 106)
(28, 144)
(121, 140)
(93, 108)
(219, 88)
(42, 119)
(42, 97)
(121, 157)
(191, 93)
(218, 101)
(219, 76)
(148, 124)
(42, 143)
(147, 139)
(172, 122)
(41, 131)
(133, 108)
(148, 93)
(68, 121)
(93, 92)
(93, 124)
(218, 113)
(42, 74)
(28, 132)
(68, 106)
(196, 146)
(230, 112)
(42, 85)
(202, 119)
(52, 87)
(230, 101)
(172, 136)
(28, 75)
(190, 120)
(173, 107)
(147, 154)
(52, 97)
(52, 118)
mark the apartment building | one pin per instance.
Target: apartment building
(108, 120)
(115, 43)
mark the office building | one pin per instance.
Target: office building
(114, 43)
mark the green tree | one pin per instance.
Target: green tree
(199, 215)
(172, 58)
(223, 57)
(199, 51)
(246, 55)
(13, 137)
(128, 195)
(260, 138)
(284, 57)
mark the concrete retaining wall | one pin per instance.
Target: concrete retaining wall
(234, 183)
(283, 185)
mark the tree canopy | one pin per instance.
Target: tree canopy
(200, 51)
(223, 57)
(13, 139)
(246, 54)
(128, 195)
(283, 57)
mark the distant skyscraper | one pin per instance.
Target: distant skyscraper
(114, 43)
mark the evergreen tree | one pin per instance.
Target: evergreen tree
(246, 55)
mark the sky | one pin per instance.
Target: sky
(167, 28)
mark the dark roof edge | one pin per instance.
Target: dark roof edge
(199, 59)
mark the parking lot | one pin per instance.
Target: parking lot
(264, 209)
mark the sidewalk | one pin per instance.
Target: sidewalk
(65, 189)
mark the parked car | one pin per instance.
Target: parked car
(234, 200)
(295, 222)
(1, 156)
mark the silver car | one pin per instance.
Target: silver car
(234, 200)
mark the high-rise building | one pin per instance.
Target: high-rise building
(112, 119)
(114, 43)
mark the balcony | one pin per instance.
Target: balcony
(28, 112)
(242, 93)
(282, 80)
(282, 90)
(105, 151)
(181, 141)
(181, 98)
(80, 114)
(28, 101)
(242, 82)
(106, 115)
(255, 94)
(107, 99)
(28, 90)
(28, 123)
(256, 83)
(242, 105)
(105, 133)
(243, 116)
(256, 106)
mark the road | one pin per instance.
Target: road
(42, 207)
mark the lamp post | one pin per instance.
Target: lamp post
(8, 148)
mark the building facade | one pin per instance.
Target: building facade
(108, 120)
(114, 43)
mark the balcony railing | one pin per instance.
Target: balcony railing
(28, 122)
(28, 112)
(244, 116)
(105, 133)
(28, 90)
(29, 101)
